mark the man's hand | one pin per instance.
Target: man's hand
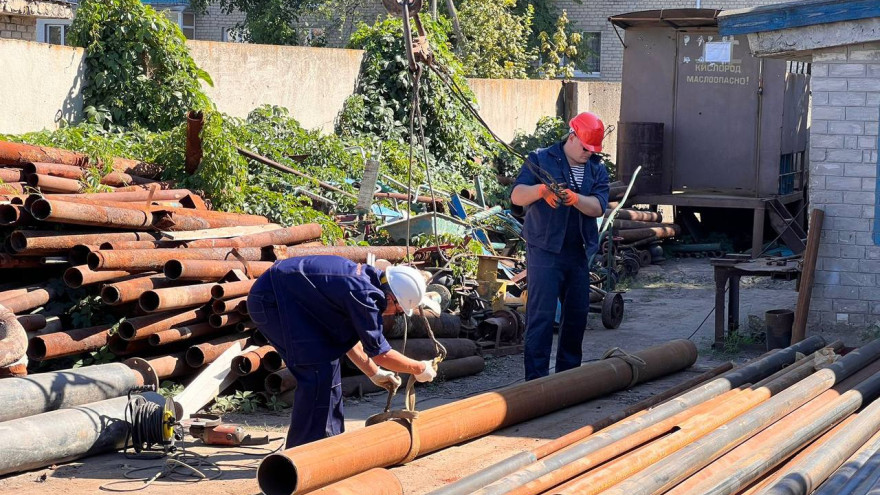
(386, 379)
(570, 198)
(429, 374)
(548, 195)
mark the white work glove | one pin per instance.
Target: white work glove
(429, 374)
(386, 379)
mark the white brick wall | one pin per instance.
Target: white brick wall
(843, 179)
(18, 27)
(211, 25)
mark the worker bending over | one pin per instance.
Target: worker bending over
(314, 309)
(561, 235)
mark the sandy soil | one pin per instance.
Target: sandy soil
(665, 302)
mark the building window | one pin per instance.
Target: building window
(589, 54)
(52, 31)
(185, 20)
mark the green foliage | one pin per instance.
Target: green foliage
(379, 111)
(548, 130)
(140, 72)
(241, 401)
(169, 389)
(496, 39)
(267, 22)
(275, 404)
(101, 356)
(555, 46)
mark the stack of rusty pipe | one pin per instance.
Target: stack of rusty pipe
(641, 228)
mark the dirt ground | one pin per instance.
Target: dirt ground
(665, 302)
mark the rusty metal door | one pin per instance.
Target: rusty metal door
(716, 114)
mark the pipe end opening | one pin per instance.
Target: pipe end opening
(277, 475)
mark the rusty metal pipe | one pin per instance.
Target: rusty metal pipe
(193, 151)
(759, 454)
(394, 254)
(175, 297)
(31, 323)
(68, 343)
(282, 237)
(423, 349)
(380, 482)
(202, 354)
(183, 219)
(8, 175)
(155, 259)
(130, 290)
(674, 468)
(123, 245)
(638, 215)
(170, 366)
(13, 338)
(305, 468)
(449, 369)
(633, 235)
(248, 362)
(53, 390)
(20, 153)
(14, 188)
(77, 173)
(86, 214)
(46, 242)
(78, 276)
(221, 306)
(141, 327)
(9, 262)
(79, 254)
(177, 269)
(182, 333)
(33, 299)
(223, 320)
(232, 289)
(15, 215)
(53, 184)
(444, 325)
(13, 371)
(280, 381)
(131, 196)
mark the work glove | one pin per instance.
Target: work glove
(548, 195)
(570, 198)
(386, 379)
(429, 374)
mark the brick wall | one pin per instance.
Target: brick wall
(843, 180)
(18, 27)
(593, 16)
(211, 25)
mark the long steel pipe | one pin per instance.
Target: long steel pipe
(183, 333)
(226, 319)
(78, 276)
(13, 338)
(155, 259)
(170, 366)
(221, 306)
(33, 299)
(53, 390)
(280, 381)
(760, 453)
(178, 269)
(376, 481)
(20, 153)
(85, 214)
(134, 196)
(68, 343)
(248, 362)
(202, 354)
(394, 254)
(74, 172)
(232, 289)
(448, 369)
(305, 468)
(30, 323)
(141, 327)
(284, 236)
(675, 468)
(54, 184)
(843, 476)
(131, 289)
(49, 242)
(171, 298)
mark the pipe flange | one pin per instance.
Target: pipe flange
(146, 371)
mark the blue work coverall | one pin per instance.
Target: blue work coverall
(314, 309)
(559, 243)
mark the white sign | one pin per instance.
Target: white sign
(717, 52)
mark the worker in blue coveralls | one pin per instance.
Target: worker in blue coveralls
(561, 235)
(314, 310)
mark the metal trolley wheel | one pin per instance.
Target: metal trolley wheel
(612, 310)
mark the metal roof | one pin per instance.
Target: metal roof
(796, 14)
(674, 18)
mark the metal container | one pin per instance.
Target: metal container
(778, 323)
(640, 144)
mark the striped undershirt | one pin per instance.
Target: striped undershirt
(577, 171)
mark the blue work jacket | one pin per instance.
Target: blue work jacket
(545, 227)
(326, 304)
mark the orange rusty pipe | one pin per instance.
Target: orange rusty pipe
(272, 361)
(202, 354)
(53, 184)
(85, 214)
(179, 269)
(175, 297)
(141, 327)
(13, 338)
(32, 299)
(244, 326)
(193, 151)
(31, 323)
(224, 320)
(9, 294)
(181, 333)
(12, 175)
(79, 254)
(51, 241)
(131, 289)
(248, 362)
(380, 482)
(130, 196)
(155, 259)
(308, 467)
(12, 187)
(121, 347)
(221, 306)
(635, 440)
(170, 366)
(232, 289)
(436, 203)
(77, 173)
(68, 342)
(20, 153)
(394, 254)
(285, 236)
(279, 382)
(13, 371)
(7, 261)
(758, 454)
(78, 276)
(122, 245)
(15, 215)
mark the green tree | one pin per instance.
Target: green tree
(496, 39)
(139, 69)
(556, 46)
(268, 22)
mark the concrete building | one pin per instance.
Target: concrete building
(842, 40)
(31, 19)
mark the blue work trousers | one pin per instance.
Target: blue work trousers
(552, 277)
(317, 400)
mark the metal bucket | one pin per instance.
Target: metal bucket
(778, 323)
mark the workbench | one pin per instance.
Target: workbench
(728, 271)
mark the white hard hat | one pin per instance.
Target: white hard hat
(408, 286)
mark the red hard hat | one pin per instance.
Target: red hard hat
(588, 127)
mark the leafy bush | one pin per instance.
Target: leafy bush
(496, 39)
(140, 72)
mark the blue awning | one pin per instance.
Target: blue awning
(795, 14)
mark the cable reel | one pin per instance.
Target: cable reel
(152, 422)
